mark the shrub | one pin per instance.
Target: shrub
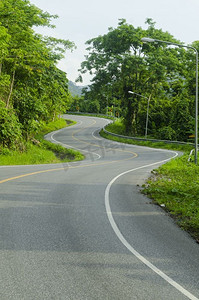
(10, 129)
(166, 133)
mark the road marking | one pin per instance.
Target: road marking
(66, 167)
(128, 246)
(90, 144)
(29, 174)
(101, 146)
(68, 146)
(93, 134)
(53, 139)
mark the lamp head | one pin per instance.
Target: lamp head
(147, 40)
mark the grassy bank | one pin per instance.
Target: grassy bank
(39, 151)
(174, 186)
(118, 128)
(160, 145)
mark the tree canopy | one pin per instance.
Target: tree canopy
(32, 89)
(120, 62)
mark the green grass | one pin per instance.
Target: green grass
(52, 126)
(116, 127)
(161, 145)
(175, 186)
(44, 152)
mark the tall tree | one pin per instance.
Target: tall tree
(119, 59)
(30, 82)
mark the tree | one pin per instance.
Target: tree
(10, 129)
(120, 62)
(28, 64)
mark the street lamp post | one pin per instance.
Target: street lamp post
(147, 114)
(150, 40)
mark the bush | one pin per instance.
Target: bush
(93, 107)
(166, 133)
(10, 129)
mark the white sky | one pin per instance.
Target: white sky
(81, 20)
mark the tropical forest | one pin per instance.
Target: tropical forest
(33, 91)
(128, 76)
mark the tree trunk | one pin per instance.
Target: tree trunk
(129, 113)
(11, 89)
(54, 115)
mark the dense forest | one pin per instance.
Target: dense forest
(160, 76)
(32, 89)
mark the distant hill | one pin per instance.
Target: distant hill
(74, 89)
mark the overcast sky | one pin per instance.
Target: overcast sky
(81, 20)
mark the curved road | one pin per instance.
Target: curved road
(83, 230)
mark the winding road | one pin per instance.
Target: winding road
(83, 230)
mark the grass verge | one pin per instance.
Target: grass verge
(161, 145)
(174, 186)
(117, 127)
(42, 152)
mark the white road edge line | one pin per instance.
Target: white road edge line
(93, 134)
(128, 246)
(52, 138)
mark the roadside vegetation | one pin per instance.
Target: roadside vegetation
(39, 151)
(34, 92)
(118, 128)
(174, 186)
(161, 80)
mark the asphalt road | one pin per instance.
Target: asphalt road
(84, 231)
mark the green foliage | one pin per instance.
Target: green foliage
(62, 153)
(52, 126)
(10, 129)
(166, 133)
(79, 105)
(93, 106)
(76, 104)
(32, 88)
(39, 151)
(40, 155)
(182, 120)
(120, 63)
(118, 128)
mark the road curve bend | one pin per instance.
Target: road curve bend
(82, 230)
